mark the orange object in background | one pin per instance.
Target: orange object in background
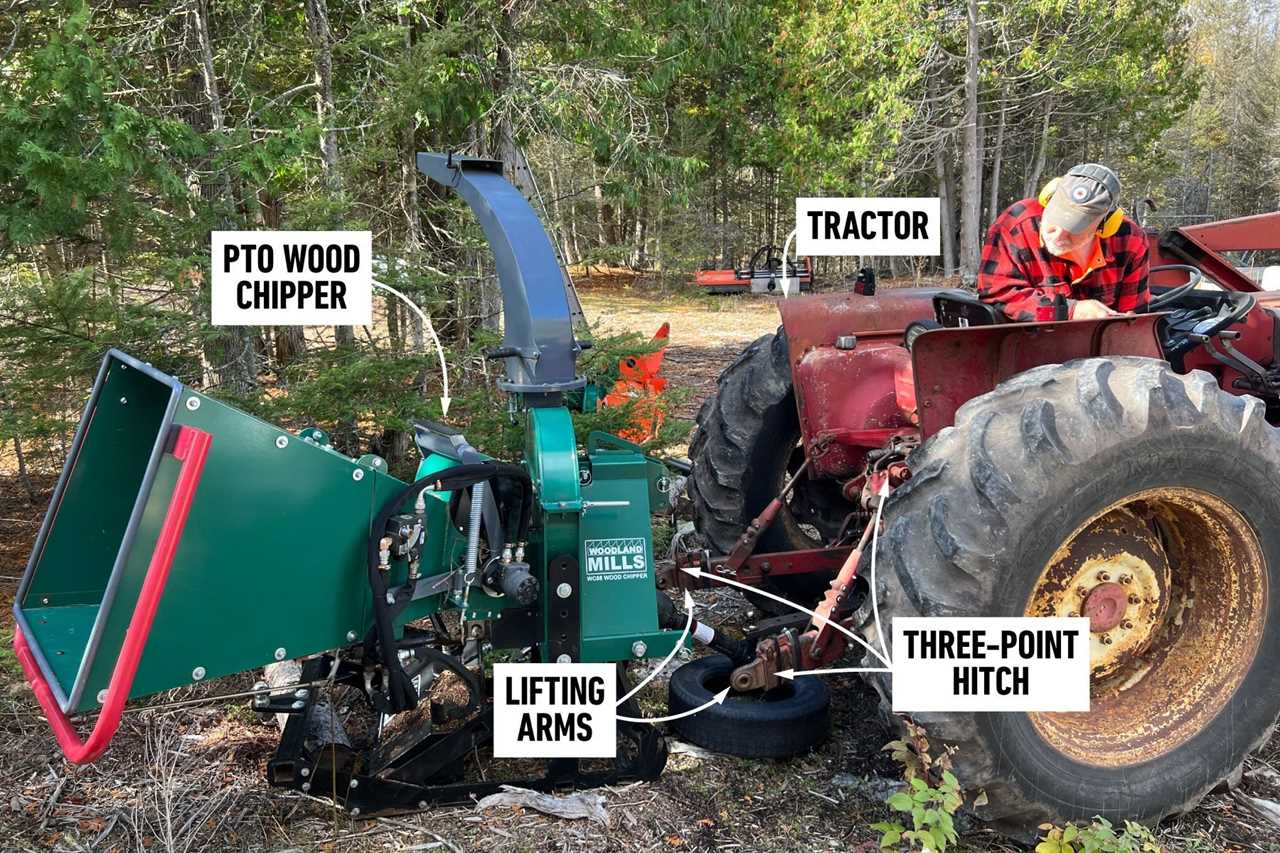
(640, 383)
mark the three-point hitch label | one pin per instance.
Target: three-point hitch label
(996, 664)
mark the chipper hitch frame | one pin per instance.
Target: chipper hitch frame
(245, 546)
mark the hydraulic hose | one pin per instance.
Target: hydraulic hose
(401, 695)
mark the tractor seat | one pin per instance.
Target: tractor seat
(961, 308)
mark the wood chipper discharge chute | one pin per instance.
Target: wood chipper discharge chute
(188, 540)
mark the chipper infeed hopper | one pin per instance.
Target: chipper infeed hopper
(187, 540)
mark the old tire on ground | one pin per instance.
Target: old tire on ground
(789, 720)
(746, 439)
(1143, 499)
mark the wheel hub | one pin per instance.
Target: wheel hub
(1174, 583)
(1115, 572)
(1105, 606)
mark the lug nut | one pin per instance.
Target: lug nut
(1126, 579)
(1133, 599)
(1127, 625)
(1104, 576)
(1105, 639)
(1082, 590)
(1071, 614)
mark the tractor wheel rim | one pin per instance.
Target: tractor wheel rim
(1174, 583)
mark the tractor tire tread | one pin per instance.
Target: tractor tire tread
(975, 487)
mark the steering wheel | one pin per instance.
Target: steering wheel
(1188, 328)
(1196, 276)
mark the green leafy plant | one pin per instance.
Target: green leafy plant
(931, 809)
(1098, 837)
(932, 796)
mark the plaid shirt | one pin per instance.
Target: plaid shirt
(1020, 277)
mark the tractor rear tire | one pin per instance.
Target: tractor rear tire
(1020, 509)
(747, 433)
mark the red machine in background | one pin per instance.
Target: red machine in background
(762, 274)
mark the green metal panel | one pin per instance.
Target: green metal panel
(619, 605)
(552, 456)
(90, 523)
(272, 556)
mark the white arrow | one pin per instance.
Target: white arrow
(697, 573)
(796, 673)
(715, 700)
(875, 535)
(688, 606)
(445, 400)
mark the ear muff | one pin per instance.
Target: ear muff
(1111, 222)
(1048, 191)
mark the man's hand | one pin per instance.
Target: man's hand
(1091, 309)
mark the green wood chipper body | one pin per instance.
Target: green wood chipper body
(188, 540)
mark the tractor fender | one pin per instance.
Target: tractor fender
(846, 396)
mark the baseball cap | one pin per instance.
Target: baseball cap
(1083, 196)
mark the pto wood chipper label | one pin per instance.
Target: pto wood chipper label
(292, 278)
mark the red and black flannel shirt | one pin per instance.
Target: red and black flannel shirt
(1020, 277)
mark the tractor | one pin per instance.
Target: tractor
(1121, 469)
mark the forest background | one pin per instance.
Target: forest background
(656, 135)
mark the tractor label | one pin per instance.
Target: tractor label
(555, 710)
(292, 278)
(998, 664)
(868, 226)
(616, 559)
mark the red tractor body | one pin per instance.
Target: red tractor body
(857, 387)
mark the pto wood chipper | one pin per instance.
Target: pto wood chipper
(1124, 469)
(187, 540)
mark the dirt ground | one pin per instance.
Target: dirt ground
(191, 779)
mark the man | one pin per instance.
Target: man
(1072, 247)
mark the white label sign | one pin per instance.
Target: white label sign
(990, 664)
(292, 278)
(615, 559)
(555, 710)
(868, 226)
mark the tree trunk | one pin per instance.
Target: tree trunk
(971, 165)
(1032, 185)
(557, 210)
(229, 358)
(23, 477)
(993, 208)
(947, 204)
(317, 15)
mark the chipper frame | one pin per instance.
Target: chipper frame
(187, 540)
